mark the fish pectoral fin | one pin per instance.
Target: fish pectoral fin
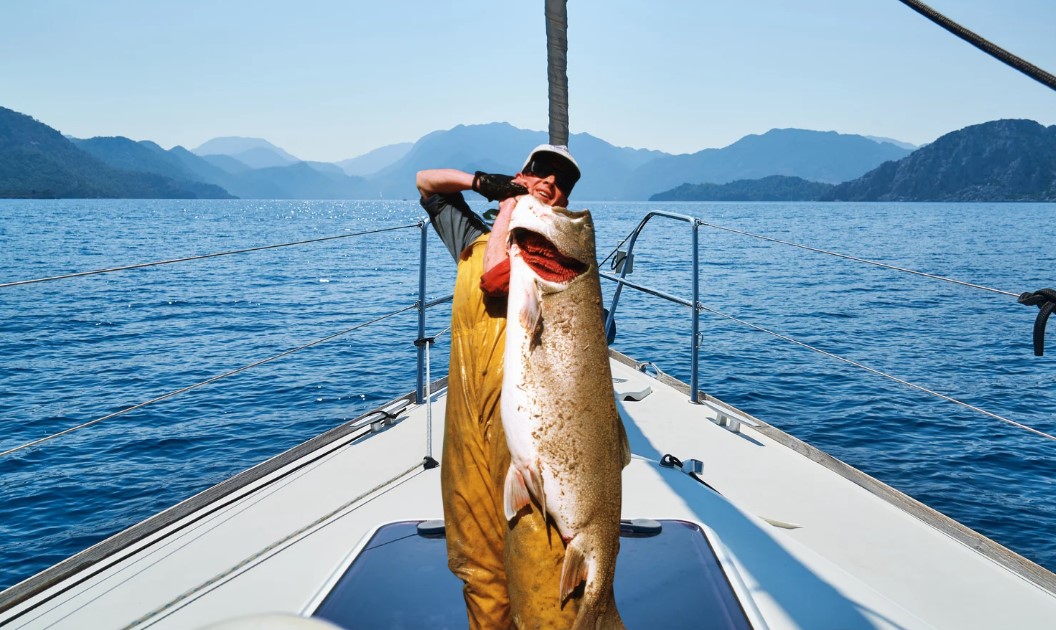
(574, 569)
(531, 315)
(515, 495)
(537, 486)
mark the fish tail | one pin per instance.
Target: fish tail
(576, 567)
(597, 609)
(599, 616)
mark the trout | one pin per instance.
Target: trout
(567, 443)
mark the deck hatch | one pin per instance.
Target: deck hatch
(400, 580)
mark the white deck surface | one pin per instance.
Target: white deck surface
(855, 561)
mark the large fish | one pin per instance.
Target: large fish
(567, 443)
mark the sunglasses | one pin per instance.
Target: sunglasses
(564, 178)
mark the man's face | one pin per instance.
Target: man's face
(540, 177)
(543, 188)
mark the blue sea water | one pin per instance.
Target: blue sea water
(79, 349)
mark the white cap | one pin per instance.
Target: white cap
(559, 150)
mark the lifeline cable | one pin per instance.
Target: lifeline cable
(818, 250)
(990, 414)
(205, 382)
(228, 508)
(1044, 299)
(861, 260)
(701, 307)
(200, 257)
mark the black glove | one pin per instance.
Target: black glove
(498, 187)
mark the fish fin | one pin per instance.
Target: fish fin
(515, 495)
(532, 314)
(574, 569)
(536, 473)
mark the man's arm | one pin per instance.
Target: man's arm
(495, 253)
(454, 221)
(449, 181)
(490, 186)
(444, 181)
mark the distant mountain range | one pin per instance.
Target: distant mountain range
(816, 156)
(904, 145)
(253, 152)
(374, 161)
(1003, 160)
(38, 162)
(772, 188)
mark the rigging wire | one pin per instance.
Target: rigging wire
(701, 307)
(202, 256)
(818, 250)
(861, 260)
(983, 44)
(1020, 425)
(174, 541)
(205, 382)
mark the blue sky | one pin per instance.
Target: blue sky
(329, 79)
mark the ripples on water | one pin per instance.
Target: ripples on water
(78, 349)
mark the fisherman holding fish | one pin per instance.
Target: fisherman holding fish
(498, 542)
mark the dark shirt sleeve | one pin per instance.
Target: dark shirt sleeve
(454, 221)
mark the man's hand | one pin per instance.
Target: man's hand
(495, 251)
(494, 187)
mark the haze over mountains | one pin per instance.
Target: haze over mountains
(253, 152)
(37, 161)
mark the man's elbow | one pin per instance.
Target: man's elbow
(423, 181)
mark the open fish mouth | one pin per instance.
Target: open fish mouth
(544, 258)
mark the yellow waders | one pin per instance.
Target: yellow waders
(511, 572)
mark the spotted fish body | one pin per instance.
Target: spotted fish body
(567, 443)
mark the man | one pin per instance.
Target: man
(510, 572)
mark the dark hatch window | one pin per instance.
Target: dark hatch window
(401, 580)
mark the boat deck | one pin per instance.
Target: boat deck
(816, 544)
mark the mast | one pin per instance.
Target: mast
(556, 69)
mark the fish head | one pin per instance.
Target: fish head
(556, 243)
